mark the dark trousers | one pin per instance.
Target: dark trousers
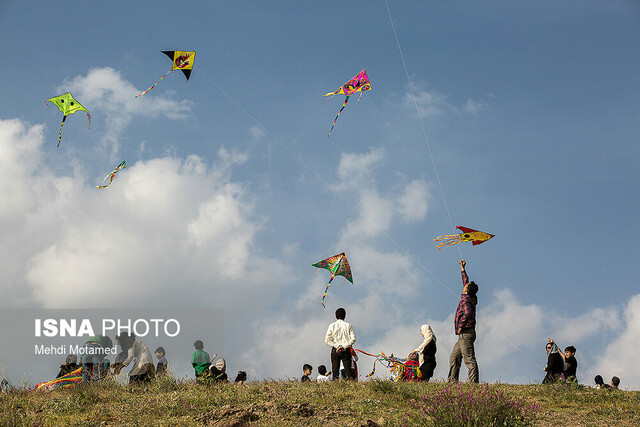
(345, 357)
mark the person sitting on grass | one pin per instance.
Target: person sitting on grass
(615, 382)
(218, 371)
(306, 371)
(555, 365)
(200, 359)
(600, 383)
(323, 375)
(241, 378)
(161, 367)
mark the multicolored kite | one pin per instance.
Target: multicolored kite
(468, 235)
(64, 381)
(182, 60)
(338, 265)
(67, 105)
(112, 174)
(359, 83)
(401, 369)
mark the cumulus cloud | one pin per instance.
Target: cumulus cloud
(377, 209)
(168, 229)
(106, 93)
(619, 356)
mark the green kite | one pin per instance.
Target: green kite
(67, 104)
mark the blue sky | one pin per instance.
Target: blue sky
(232, 188)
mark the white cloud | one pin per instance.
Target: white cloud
(412, 203)
(257, 132)
(167, 229)
(376, 210)
(433, 103)
(356, 171)
(108, 96)
(619, 357)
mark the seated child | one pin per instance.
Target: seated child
(161, 367)
(615, 382)
(323, 375)
(200, 359)
(241, 377)
(306, 370)
(600, 382)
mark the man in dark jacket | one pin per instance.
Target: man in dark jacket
(465, 328)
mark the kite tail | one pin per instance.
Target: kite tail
(154, 85)
(89, 117)
(448, 240)
(336, 119)
(326, 290)
(109, 183)
(60, 133)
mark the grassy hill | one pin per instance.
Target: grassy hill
(269, 403)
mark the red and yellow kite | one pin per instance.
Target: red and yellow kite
(468, 235)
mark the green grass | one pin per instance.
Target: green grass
(168, 401)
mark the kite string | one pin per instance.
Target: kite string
(424, 133)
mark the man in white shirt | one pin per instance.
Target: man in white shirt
(340, 337)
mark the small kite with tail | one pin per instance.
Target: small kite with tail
(67, 104)
(182, 60)
(359, 83)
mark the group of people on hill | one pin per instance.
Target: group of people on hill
(340, 337)
(95, 365)
(134, 351)
(208, 371)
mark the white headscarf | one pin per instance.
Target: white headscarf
(428, 337)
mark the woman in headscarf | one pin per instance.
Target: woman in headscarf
(555, 364)
(427, 353)
(219, 370)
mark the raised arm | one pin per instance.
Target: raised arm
(465, 278)
(564, 356)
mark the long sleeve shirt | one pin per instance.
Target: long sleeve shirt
(140, 352)
(466, 312)
(340, 334)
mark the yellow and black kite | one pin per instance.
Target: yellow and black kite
(182, 60)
